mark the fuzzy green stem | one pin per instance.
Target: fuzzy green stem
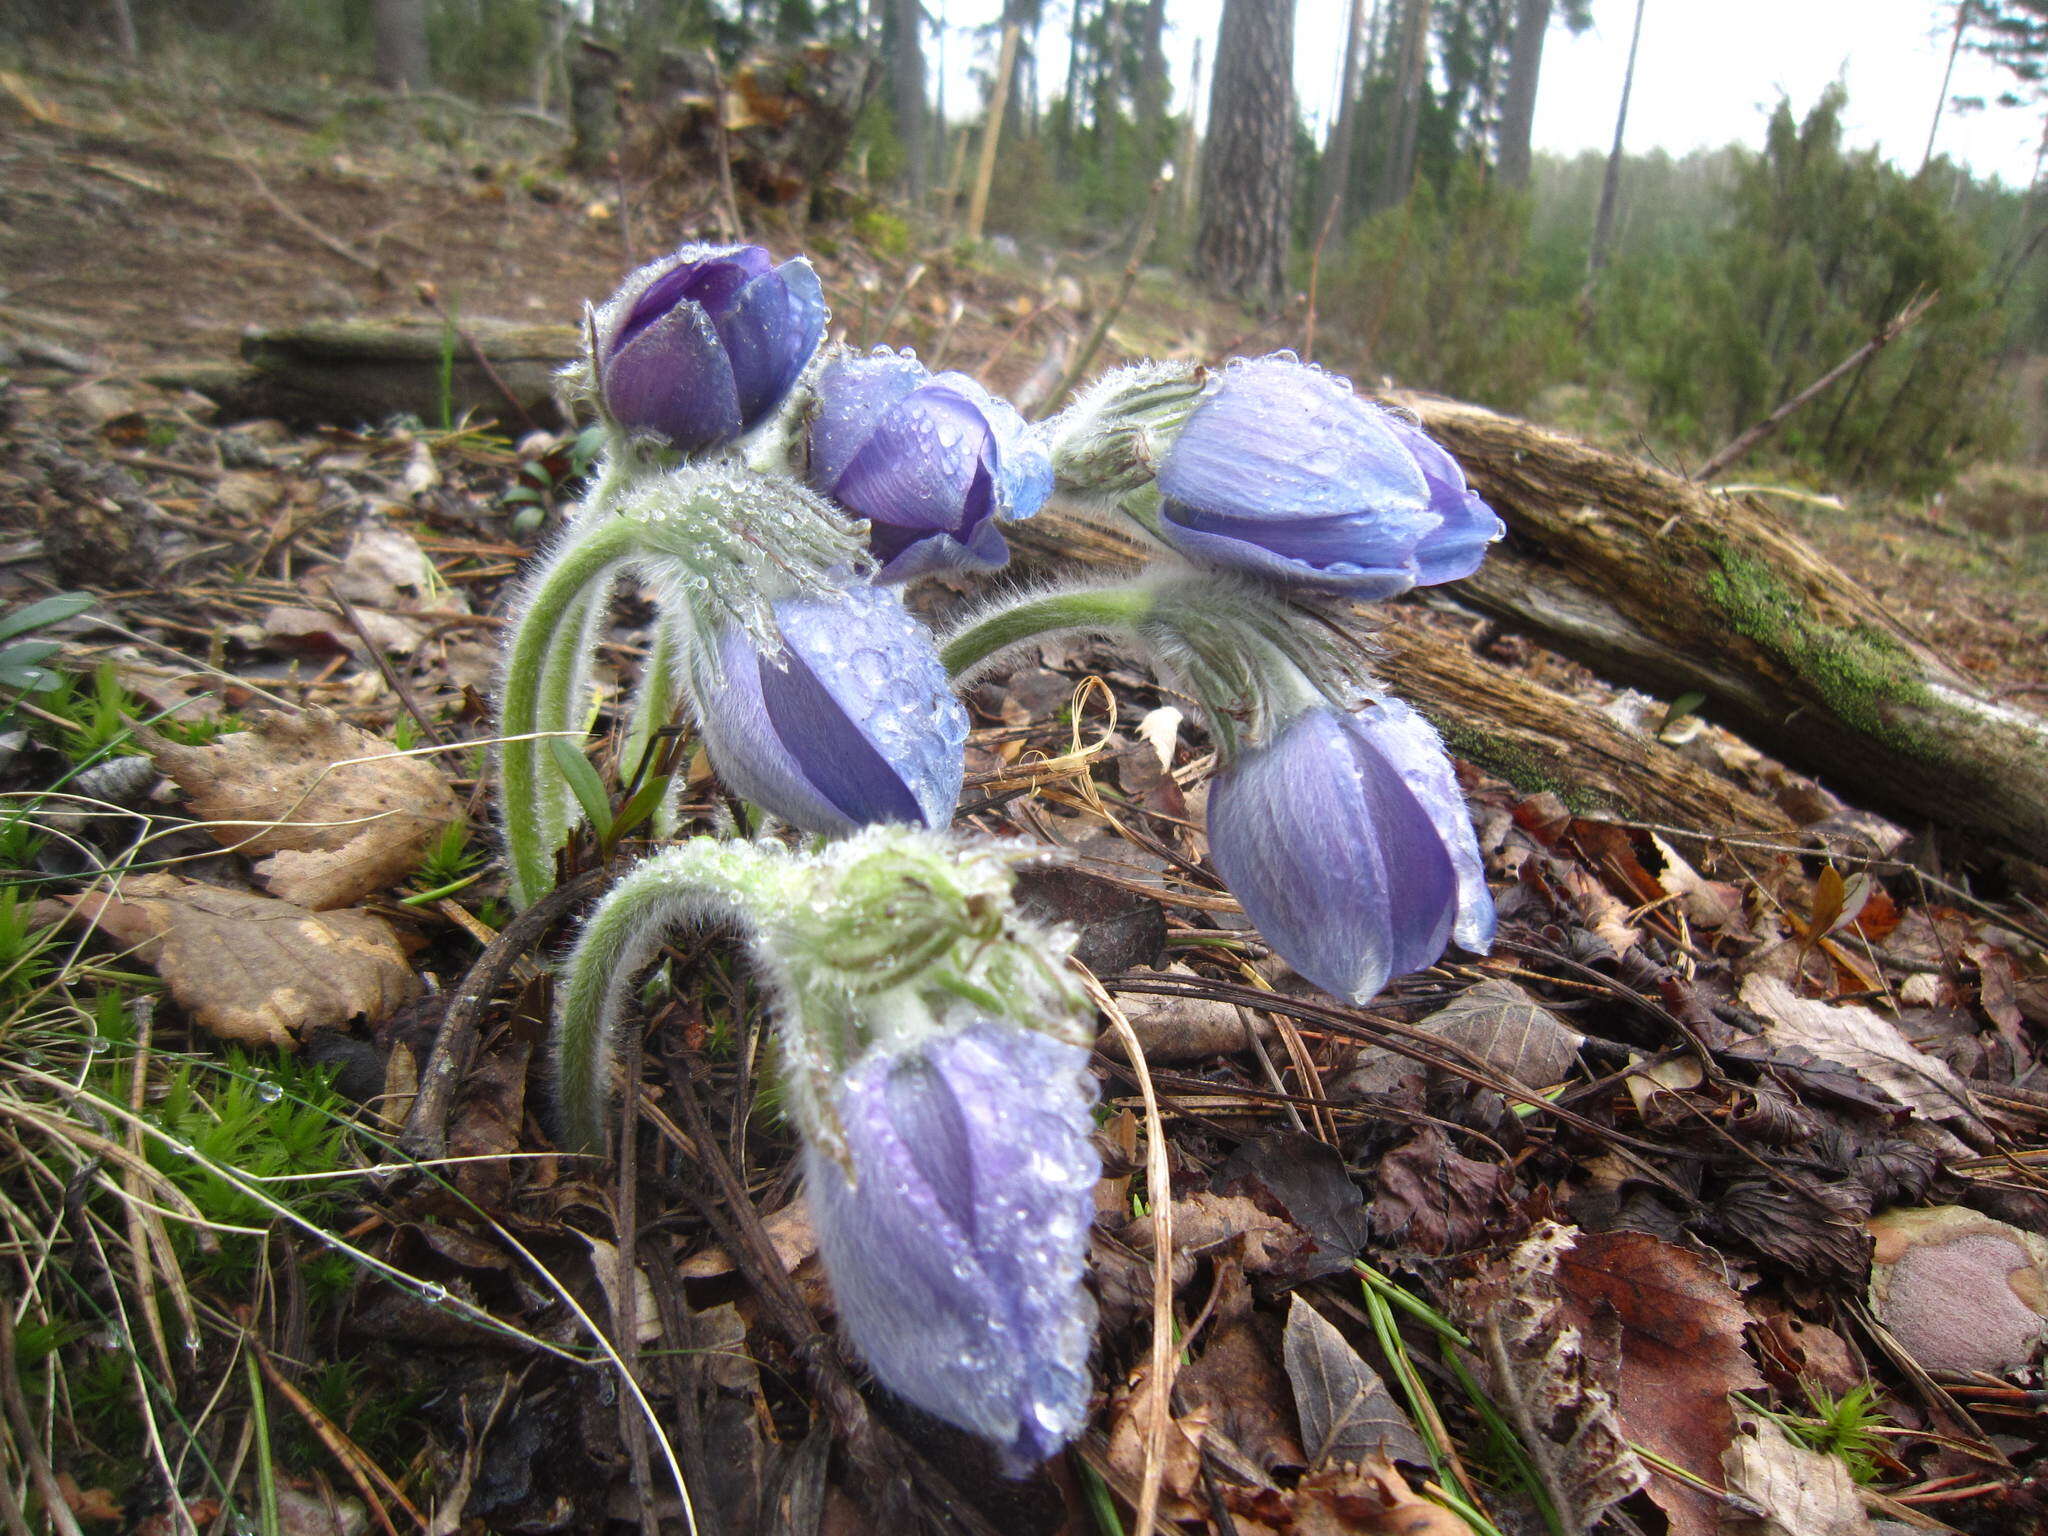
(1111, 610)
(699, 881)
(539, 683)
(654, 704)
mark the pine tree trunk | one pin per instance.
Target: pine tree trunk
(1248, 169)
(401, 44)
(593, 103)
(1518, 111)
(906, 84)
(1398, 170)
(1336, 177)
(1610, 186)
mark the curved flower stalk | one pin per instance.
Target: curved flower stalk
(719, 545)
(934, 462)
(848, 721)
(1335, 817)
(934, 1054)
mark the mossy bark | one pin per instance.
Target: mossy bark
(1655, 581)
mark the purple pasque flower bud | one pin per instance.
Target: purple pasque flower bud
(855, 723)
(933, 461)
(1284, 472)
(703, 345)
(955, 1235)
(1347, 841)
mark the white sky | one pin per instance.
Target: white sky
(1708, 73)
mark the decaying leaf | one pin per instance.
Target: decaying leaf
(252, 969)
(1778, 1488)
(1370, 1499)
(1180, 1483)
(1434, 1199)
(334, 834)
(1867, 1043)
(1308, 1181)
(1959, 1290)
(1557, 1393)
(1680, 1337)
(1495, 1020)
(1347, 1413)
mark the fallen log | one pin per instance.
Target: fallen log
(349, 372)
(1677, 588)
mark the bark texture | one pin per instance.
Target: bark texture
(400, 43)
(1664, 584)
(906, 90)
(1518, 105)
(1248, 166)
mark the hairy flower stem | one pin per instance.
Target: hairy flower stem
(698, 881)
(1114, 611)
(542, 675)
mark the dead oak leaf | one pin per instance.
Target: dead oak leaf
(250, 969)
(340, 814)
(1681, 1343)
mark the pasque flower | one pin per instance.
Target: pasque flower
(1284, 472)
(703, 345)
(934, 462)
(955, 1231)
(854, 723)
(1347, 841)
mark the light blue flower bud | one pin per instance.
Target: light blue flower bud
(1348, 843)
(1284, 472)
(703, 345)
(854, 723)
(957, 1248)
(934, 462)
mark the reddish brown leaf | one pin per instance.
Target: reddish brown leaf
(1682, 1353)
(1438, 1201)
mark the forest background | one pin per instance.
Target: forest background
(1635, 297)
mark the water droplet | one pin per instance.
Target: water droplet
(269, 1092)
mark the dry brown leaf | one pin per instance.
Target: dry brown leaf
(1347, 1413)
(1777, 1488)
(1496, 1021)
(1370, 1499)
(1180, 1483)
(252, 969)
(1867, 1043)
(1681, 1336)
(1558, 1392)
(333, 834)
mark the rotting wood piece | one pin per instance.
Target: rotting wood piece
(1507, 724)
(348, 372)
(1675, 588)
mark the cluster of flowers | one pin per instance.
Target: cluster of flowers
(776, 494)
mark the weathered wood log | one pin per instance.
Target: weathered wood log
(348, 372)
(1675, 588)
(1537, 737)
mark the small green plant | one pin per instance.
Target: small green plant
(21, 661)
(25, 963)
(448, 865)
(1846, 1426)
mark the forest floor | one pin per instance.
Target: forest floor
(1729, 1195)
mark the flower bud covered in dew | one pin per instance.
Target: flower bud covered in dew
(1347, 841)
(702, 346)
(934, 462)
(854, 723)
(957, 1248)
(1284, 472)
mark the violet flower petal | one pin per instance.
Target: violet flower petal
(853, 394)
(1332, 856)
(674, 378)
(1410, 743)
(957, 1253)
(770, 331)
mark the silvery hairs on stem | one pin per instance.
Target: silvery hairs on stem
(1249, 654)
(718, 545)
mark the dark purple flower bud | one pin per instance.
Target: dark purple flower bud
(1347, 841)
(702, 346)
(933, 461)
(855, 723)
(1283, 471)
(957, 1247)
